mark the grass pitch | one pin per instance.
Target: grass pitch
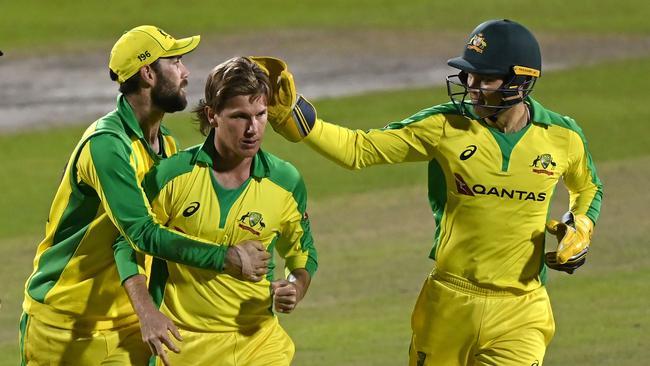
(77, 26)
(373, 253)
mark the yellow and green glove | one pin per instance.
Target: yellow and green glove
(290, 115)
(574, 236)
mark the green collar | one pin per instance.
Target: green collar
(539, 114)
(127, 115)
(260, 166)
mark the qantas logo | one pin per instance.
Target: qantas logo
(462, 187)
(480, 189)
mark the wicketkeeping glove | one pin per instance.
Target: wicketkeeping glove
(290, 115)
(574, 236)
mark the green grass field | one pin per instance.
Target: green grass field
(75, 25)
(373, 252)
(358, 309)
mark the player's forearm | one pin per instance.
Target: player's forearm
(158, 241)
(136, 289)
(333, 142)
(149, 237)
(301, 279)
(107, 169)
(356, 149)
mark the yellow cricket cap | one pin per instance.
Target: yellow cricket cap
(142, 46)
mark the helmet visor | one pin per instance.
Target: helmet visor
(513, 92)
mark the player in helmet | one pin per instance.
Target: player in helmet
(512, 59)
(494, 157)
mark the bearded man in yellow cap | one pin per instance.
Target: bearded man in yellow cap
(75, 311)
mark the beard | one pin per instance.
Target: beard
(167, 96)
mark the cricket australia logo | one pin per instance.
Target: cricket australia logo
(477, 43)
(543, 164)
(252, 222)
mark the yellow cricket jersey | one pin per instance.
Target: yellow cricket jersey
(269, 207)
(75, 282)
(490, 192)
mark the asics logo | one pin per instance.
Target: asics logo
(468, 152)
(191, 209)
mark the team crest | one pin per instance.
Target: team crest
(543, 164)
(477, 43)
(252, 222)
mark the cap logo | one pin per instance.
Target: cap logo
(163, 33)
(477, 43)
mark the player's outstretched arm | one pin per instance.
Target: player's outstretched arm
(293, 117)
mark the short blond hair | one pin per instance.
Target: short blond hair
(234, 77)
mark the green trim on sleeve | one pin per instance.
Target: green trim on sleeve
(551, 118)
(129, 212)
(125, 260)
(158, 281)
(437, 199)
(22, 329)
(307, 240)
(447, 108)
(287, 176)
(270, 274)
(78, 214)
(80, 211)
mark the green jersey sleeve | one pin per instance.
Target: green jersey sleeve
(106, 165)
(585, 188)
(296, 244)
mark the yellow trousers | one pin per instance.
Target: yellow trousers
(45, 345)
(268, 345)
(456, 323)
